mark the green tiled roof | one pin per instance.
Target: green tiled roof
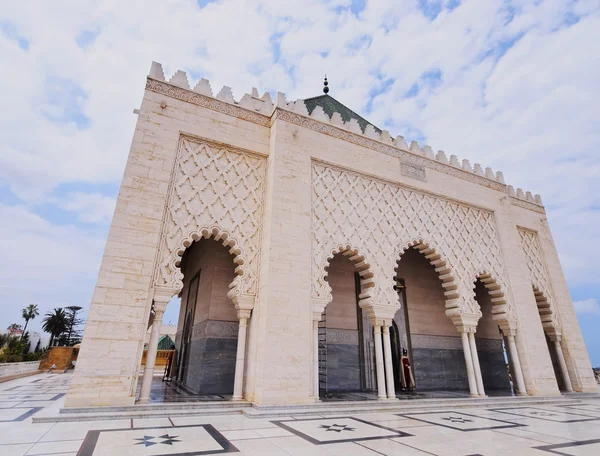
(331, 105)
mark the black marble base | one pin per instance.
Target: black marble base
(343, 367)
(439, 369)
(211, 367)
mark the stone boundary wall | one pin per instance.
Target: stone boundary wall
(9, 369)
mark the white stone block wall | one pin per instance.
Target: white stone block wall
(279, 352)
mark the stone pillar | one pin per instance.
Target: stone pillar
(468, 362)
(516, 365)
(389, 367)
(316, 359)
(563, 365)
(161, 299)
(244, 304)
(379, 362)
(476, 367)
(240, 358)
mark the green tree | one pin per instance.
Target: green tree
(29, 313)
(55, 323)
(4, 338)
(72, 334)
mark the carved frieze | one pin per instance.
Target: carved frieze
(207, 102)
(380, 218)
(413, 171)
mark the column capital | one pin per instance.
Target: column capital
(243, 301)
(162, 296)
(508, 327)
(555, 337)
(318, 306)
(243, 314)
(466, 323)
(385, 323)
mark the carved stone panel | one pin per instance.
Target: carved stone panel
(214, 189)
(537, 267)
(381, 218)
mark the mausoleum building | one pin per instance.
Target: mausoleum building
(313, 253)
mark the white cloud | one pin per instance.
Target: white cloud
(518, 92)
(91, 207)
(44, 264)
(587, 307)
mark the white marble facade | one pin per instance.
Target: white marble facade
(285, 191)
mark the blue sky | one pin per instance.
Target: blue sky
(508, 84)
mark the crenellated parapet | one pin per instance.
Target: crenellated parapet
(266, 110)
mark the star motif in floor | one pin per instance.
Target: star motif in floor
(457, 419)
(337, 428)
(148, 440)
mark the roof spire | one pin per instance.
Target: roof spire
(325, 84)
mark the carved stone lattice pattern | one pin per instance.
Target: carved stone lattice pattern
(215, 191)
(540, 279)
(381, 219)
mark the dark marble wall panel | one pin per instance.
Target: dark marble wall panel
(212, 366)
(343, 367)
(493, 365)
(438, 369)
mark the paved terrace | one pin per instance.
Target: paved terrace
(568, 428)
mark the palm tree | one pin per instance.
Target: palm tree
(55, 323)
(29, 313)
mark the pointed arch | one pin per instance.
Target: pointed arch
(222, 236)
(547, 314)
(499, 304)
(441, 267)
(363, 267)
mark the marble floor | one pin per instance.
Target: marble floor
(528, 430)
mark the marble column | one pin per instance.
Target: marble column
(516, 365)
(468, 362)
(159, 305)
(316, 358)
(240, 358)
(476, 367)
(379, 362)
(563, 366)
(389, 367)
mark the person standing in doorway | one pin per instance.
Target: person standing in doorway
(408, 380)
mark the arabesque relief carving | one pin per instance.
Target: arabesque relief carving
(381, 219)
(216, 191)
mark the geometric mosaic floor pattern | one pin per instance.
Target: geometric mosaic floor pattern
(572, 430)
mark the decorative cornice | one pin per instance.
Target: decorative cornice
(198, 99)
(407, 158)
(403, 155)
(527, 205)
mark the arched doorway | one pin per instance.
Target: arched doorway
(493, 358)
(553, 337)
(207, 329)
(434, 346)
(346, 345)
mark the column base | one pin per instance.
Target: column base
(522, 394)
(382, 398)
(237, 398)
(474, 395)
(143, 401)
